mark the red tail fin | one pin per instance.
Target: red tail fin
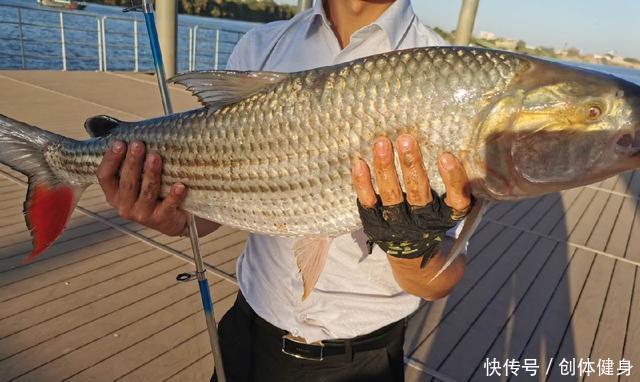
(50, 199)
(47, 211)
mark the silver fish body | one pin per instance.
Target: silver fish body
(278, 162)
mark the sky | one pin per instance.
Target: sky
(595, 26)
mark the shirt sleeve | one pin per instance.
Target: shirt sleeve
(239, 56)
(252, 49)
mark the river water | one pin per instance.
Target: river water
(43, 50)
(42, 47)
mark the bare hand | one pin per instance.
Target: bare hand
(136, 199)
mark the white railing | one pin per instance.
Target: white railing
(33, 38)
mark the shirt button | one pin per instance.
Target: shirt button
(302, 316)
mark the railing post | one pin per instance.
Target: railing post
(21, 35)
(195, 47)
(99, 44)
(190, 67)
(215, 63)
(135, 45)
(104, 45)
(63, 47)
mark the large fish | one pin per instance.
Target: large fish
(271, 152)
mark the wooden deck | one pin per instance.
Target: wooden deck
(548, 278)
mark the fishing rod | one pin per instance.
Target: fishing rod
(201, 275)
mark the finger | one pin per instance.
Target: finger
(172, 202)
(130, 176)
(361, 177)
(108, 169)
(386, 175)
(415, 177)
(455, 181)
(151, 184)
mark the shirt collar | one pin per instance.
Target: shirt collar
(394, 21)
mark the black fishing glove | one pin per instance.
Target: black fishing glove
(406, 231)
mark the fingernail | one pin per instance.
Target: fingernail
(405, 142)
(136, 147)
(381, 145)
(152, 161)
(357, 166)
(178, 189)
(117, 147)
(448, 161)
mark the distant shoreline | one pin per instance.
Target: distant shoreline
(489, 40)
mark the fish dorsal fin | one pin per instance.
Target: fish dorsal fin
(218, 88)
(311, 255)
(100, 125)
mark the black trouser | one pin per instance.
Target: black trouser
(252, 351)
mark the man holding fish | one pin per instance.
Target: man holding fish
(351, 327)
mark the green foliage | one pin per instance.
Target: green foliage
(248, 10)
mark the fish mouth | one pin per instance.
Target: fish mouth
(628, 143)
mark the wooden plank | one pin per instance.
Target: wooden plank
(592, 294)
(154, 347)
(183, 355)
(81, 353)
(48, 350)
(547, 334)
(427, 320)
(428, 316)
(109, 297)
(453, 326)
(35, 309)
(200, 370)
(58, 257)
(612, 324)
(631, 350)
(461, 361)
(514, 336)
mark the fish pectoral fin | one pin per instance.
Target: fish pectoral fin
(218, 88)
(470, 224)
(311, 255)
(100, 125)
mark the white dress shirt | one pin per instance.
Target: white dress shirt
(355, 294)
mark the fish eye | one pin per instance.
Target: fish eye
(594, 112)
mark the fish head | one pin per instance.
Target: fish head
(561, 128)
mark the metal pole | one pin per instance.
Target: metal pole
(215, 63)
(21, 35)
(135, 45)
(203, 284)
(195, 46)
(465, 22)
(157, 56)
(104, 44)
(304, 4)
(63, 47)
(99, 44)
(167, 19)
(190, 66)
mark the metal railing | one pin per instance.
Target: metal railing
(32, 38)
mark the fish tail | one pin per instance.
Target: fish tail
(50, 200)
